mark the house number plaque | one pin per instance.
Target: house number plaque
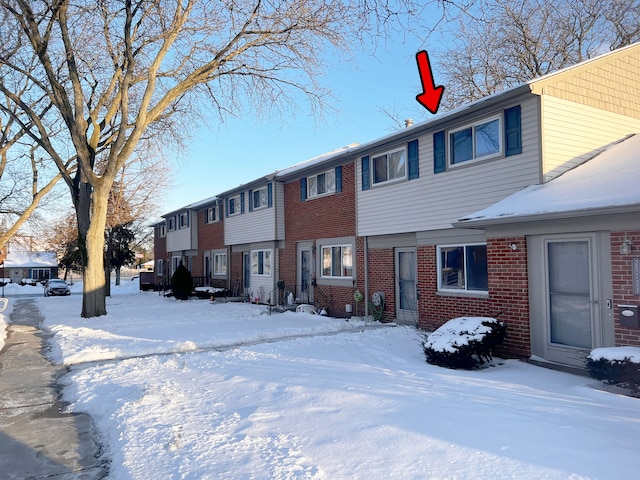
(636, 276)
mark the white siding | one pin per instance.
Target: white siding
(434, 201)
(182, 239)
(573, 132)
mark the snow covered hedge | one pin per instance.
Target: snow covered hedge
(616, 366)
(464, 342)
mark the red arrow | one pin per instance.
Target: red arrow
(431, 95)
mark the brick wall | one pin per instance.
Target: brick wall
(382, 279)
(210, 235)
(508, 294)
(622, 280)
(323, 217)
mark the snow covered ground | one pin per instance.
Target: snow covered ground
(207, 391)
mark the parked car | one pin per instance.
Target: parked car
(56, 287)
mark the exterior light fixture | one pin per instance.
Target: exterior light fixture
(625, 247)
(513, 246)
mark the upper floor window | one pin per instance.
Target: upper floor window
(211, 215)
(476, 141)
(390, 166)
(463, 267)
(159, 267)
(337, 261)
(321, 184)
(261, 262)
(234, 205)
(259, 198)
(161, 231)
(171, 222)
(183, 220)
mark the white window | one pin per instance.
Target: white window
(219, 263)
(321, 184)
(159, 267)
(161, 231)
(261, 262)
(476, 141)
(234, 205)
(259, 198)
(184, 220)
(463, 267)
(390, 166)
(171, 221)
(211, 215)
(337, 261)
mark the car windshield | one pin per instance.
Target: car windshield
(57, 283)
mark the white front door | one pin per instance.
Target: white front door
(572, 311)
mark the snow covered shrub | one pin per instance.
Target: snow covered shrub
(616, 366)
(464, 342)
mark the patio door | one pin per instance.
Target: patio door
(406, 290)
(571, 299)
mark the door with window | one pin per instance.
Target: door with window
(406, 290)
(572, 306)
(246, 272)
(304, 275)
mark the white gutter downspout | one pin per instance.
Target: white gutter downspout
(366, 276)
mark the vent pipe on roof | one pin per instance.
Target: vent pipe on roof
(408, 123)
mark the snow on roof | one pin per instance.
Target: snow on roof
(30, 259)
(610, 179)
(316, 160)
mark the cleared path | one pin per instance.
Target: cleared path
(37, 440)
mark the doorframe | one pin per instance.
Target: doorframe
(601, 294)
(306, 246)
(403, 316)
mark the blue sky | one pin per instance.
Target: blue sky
(226, 155)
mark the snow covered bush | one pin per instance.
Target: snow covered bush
(464, 342)
(616, 366)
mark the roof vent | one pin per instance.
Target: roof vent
(408, 123)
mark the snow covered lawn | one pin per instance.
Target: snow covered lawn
(358, 404)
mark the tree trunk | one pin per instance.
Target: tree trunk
(92, 218)
(118, 270)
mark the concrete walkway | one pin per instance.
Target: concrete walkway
(36, 440)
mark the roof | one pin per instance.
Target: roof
(31, 260)
(607, 183)
(315, 161)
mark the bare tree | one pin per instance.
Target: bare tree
(120, 71)
(502, 43)
(25, 177)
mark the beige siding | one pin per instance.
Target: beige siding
(573, 132)
(179, 240)
(611, 83)
(434, 201)
(256, 226)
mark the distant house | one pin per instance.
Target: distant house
(30, 267)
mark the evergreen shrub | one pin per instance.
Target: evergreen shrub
(464, 342)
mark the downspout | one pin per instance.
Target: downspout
(366, 276)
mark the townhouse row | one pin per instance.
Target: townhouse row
(523, 206)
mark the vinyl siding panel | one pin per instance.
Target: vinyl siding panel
(611, 84)
(434, 201)
(179, 240)
(256, 226)
(574, 132)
